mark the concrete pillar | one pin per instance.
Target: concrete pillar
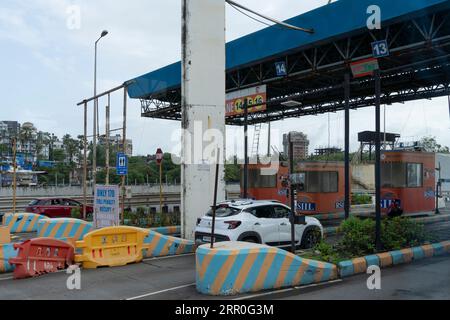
(203, 107)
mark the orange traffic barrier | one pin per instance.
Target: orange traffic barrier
(40, 256)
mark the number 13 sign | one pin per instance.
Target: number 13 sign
(380, 49)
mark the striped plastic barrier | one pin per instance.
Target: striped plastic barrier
(64, 228)
(392, 258)
(22, 222)
(235, 267)
(158, 245)
(7, 252)
(168, 231)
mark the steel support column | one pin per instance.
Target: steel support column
(347, 146)
(378, 159)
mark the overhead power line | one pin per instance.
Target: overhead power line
(286, 25)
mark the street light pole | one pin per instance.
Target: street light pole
(94, 143)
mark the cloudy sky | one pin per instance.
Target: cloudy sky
(46, 67)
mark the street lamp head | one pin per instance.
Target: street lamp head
(104, 33)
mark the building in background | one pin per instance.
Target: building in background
(301, 145)
(116, 144)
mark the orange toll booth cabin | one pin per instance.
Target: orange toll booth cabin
(408, 178)
(267, 185)
(320, 187)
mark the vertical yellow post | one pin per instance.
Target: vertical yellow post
(14, 174)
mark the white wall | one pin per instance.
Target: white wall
(203, 104)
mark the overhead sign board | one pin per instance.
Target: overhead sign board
(122, 164)
(380, 49)
(255, 97)
(364, 68)
(106, 206)
(281, 69)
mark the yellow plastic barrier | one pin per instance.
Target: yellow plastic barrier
(111, 247)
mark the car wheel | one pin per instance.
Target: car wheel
(310, 238)
(250, 240)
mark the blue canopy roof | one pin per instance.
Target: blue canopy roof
(330, 21)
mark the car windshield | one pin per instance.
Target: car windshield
(34, 202)
(223, 212)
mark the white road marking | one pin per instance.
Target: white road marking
(287, 290)
(169, 257)
(8, 278)
(162, 291)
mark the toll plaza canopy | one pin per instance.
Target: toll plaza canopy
(417, 33)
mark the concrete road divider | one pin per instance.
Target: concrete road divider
(392, 258)
(64, 228)
(7, 251)
(168, 231)
(238, 267)
(40, 256)
(111, 247)
(22, 222)
(158, 245)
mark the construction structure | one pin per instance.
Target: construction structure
(300, 145)
(312, 73)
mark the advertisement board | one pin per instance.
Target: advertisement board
(256, 98)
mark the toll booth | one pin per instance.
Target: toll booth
(320, 187)
(409, 179)
(262, 186)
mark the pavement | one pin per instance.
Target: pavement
(174, 279)
(427, 279)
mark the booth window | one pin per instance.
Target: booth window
(401, 175)
(415, 175)
(257, 180)
(393, 175)
(321, 181)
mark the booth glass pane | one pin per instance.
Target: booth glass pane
(329, 182)
(393, 175)
(415, 175)
(313, 181)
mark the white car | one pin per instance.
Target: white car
(264, 222)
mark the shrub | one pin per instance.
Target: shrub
(400, 232)
(358, 237)
(359, 199)
(76, 213)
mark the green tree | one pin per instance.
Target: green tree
(430, 144)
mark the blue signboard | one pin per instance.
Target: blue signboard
(386, 203)
(306, 206)
(380, 49)
(122, 164)
(281, 69)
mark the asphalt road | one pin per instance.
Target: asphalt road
(427, 279)
(174, 279)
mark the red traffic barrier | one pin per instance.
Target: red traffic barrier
(41, 256)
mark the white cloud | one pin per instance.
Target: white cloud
(50, 68)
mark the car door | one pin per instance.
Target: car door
(67, 206)
(284, 226)
(49, 208)
(266, 226)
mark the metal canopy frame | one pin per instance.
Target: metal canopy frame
(418, 68)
